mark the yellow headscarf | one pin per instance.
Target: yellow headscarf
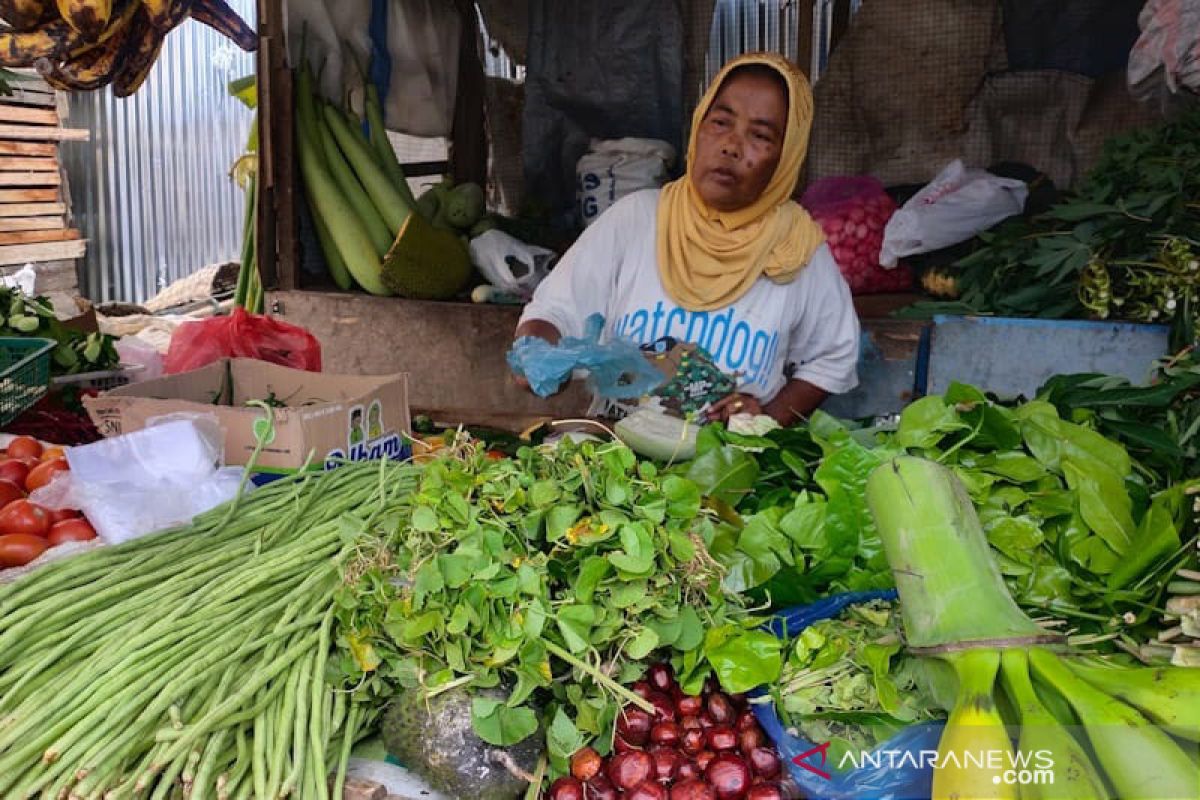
(708, 259)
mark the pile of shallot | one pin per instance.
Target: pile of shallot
(853, 212)
(691, 748)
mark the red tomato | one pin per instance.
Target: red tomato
(13, 470)
(40, 475)
(9, 492)
(24, 447)
(63, 514)
(496, 455)
(51, 453)
(71, 530)
(18, 549)
(22, 516)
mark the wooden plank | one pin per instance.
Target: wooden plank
(31, 223)
(29, 196)
(277, 223)
(47, 251)
(10, 148)
(469, 135)
(30, 79)
(43, 133)
(53, 277)
(32, 237)
(22, 95)
(30, 179)
(31, 163)
(28, 116)
(804, 37)
(32, 209)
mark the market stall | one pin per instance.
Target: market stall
(324, 546)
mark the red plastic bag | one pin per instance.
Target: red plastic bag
(241, 335)
(853, 212)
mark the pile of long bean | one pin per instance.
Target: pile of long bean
(191, 663)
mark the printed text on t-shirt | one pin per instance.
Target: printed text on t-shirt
(735, 346)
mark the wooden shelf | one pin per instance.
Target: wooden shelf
(35, 204)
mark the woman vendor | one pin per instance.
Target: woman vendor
(722, 258)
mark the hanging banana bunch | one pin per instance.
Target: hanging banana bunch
(82, 45)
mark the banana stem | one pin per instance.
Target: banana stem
(247, 265)
(600, 677)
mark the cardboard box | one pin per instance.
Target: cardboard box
(323, 417)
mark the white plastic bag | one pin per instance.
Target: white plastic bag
(146, 362)
(508, 263)
(423, 42)
(958, 204)
(613, 168)
(310, 21)
(1166, 57)
(155, 478)
(24, 279)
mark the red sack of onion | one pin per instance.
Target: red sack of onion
(853, 211)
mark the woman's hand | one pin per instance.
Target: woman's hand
(732, 404)
(542, 330)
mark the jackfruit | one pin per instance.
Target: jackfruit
(435, 740)
(426, 263)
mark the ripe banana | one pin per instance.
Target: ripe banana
(1141, 761)
(89, 17)
(1168, 695)
(217, 15)
(138, 58)
(52, 40)
(1074, 775)
(90, 68)
(25, 15)
(973, 734)
(158, 12)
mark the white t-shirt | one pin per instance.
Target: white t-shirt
(613, 270)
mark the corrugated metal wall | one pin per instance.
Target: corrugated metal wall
(151, 190)
(742, 26)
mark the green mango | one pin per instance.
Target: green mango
(65, 357)
(25, 324)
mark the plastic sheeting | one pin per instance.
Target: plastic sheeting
(1088, 37)
(421, 58)
(597, 71)
(1166, 57)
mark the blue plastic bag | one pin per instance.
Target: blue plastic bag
(617, 369)
(891, 780)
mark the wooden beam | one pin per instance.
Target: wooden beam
(469, 149)
(46, 251)
(804, 36)
(31, 223)
(841, 23)
(276, 224)
(29, 196)
(10, 148)
(30, 97)
(30, 79)
(33, 237)
(30, 163)
(32, 209)
(44, 133)
(28, 116)
(30, 179)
